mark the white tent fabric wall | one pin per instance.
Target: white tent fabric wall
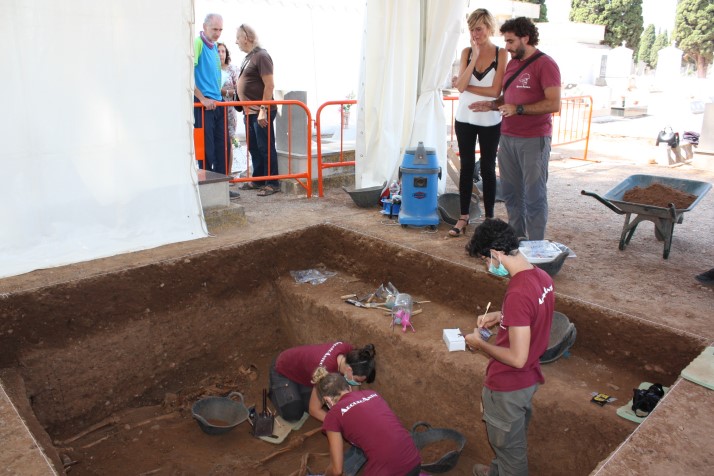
(390, 119)
(442, 27)
(388, 88)
(97, 153)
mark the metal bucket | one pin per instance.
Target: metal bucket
(219, 415)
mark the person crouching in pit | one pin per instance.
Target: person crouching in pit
(364, 419)
(291, 389)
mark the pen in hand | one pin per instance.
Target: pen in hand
(479, 321)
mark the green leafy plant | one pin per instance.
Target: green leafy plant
(346, 107)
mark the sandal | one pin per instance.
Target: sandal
(268, 190)
(249, 186)
(458, 231)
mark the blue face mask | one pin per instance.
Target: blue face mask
(352, 382)
(500, 271)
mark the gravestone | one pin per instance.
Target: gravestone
(287, 138)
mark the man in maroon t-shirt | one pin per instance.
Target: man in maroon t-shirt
(531, 93)
(513, 373)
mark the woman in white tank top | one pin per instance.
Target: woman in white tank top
(480, 79)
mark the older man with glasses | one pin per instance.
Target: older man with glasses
(255, 83)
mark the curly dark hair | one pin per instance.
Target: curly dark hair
(521, 27)
(492, 234)
(362, 362)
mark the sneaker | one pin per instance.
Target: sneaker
(233, 194)
(481, 470)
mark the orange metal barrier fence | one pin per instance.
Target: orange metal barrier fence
(341, 162)
(199, 144)
(570, 125)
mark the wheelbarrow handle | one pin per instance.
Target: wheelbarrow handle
(605, 201)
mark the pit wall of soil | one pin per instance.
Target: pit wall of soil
(90, 348)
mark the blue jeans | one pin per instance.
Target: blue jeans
(214, 136)
(353, 461)
(261, 148)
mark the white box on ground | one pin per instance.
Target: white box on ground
(454, 340)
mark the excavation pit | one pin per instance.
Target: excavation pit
(110, 366)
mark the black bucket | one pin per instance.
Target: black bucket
(429, 435)
(562, 337)
(219, 415)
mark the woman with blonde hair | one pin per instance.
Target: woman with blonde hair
(480, 77)
(364, 419)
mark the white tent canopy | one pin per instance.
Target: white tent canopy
(400, 100)
(97, 155)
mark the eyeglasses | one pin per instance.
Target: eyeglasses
(244, 31)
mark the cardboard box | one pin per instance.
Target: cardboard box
(454, 340)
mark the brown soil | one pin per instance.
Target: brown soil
(206, 317)
(659, 195)
(433, 452)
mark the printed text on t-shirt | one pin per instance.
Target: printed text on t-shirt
(327, 354)
(357, 402)
(547, 290)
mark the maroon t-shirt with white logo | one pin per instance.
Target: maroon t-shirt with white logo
(299, 363)
(366, 421)
(529, 301)
(528, 88)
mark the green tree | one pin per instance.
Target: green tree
(662, 41)
(646, 42)
(622, 19)
(694, 32)
(543, 17)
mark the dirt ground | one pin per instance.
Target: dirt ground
(636, 283)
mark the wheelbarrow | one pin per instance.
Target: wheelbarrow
(664, 219)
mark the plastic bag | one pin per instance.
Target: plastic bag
(312, 276)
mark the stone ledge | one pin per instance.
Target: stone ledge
(233, 214)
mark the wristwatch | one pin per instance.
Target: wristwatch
(519, 110)
(263, 108)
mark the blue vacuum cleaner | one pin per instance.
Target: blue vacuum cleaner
(419, 174)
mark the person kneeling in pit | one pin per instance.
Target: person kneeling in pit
(291, 387)
(364, 419)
